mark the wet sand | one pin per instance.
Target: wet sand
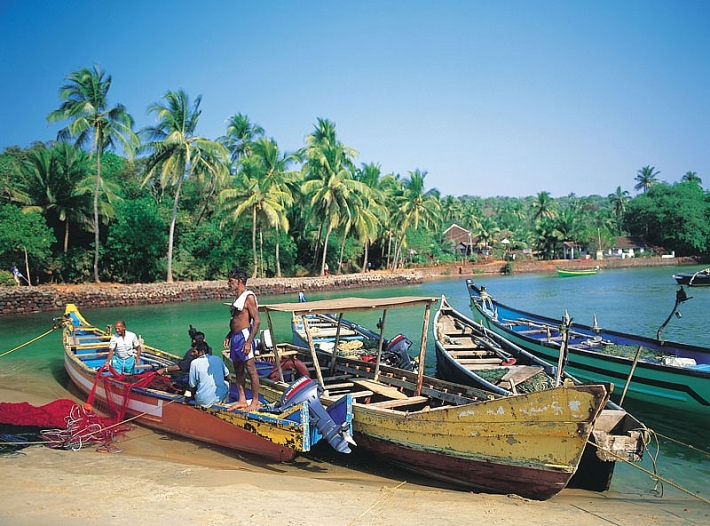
(159, 479)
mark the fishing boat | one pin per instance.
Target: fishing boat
(330, 333)
(694, 279)
(279, 432)
(468, 353)
(571, 272)
(652, 371)
(447, 431)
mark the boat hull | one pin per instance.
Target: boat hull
(275, 437)
(697, 279)
(652, 383)
(530, 445)
(570, 273)
(469, 354)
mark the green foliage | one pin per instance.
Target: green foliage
(674, 217)
(20, 232)
(135, 242)
(6, 279)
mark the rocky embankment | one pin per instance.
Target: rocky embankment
(49, 298)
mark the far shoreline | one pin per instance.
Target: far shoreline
(16, 301)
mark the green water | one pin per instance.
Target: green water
(631, 300)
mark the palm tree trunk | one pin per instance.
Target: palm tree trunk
(253, 242)
(278, 263)
(364, 261)
(340, 258)
(96, 207)
(66, 236)
(171, 236)
(325, 250)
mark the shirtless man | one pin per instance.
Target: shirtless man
(243, 328)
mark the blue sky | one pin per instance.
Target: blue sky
(490, 98)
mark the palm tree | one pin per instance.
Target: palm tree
(85, 97)
(264, 187)
(544, 206)
(329, 184)
(691, 177)
(55, 185)
(371, 213)
(618, 200)
(646, 178)
(241, 134)
(176, 152)
(415, 206)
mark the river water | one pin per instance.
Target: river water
(630, 300)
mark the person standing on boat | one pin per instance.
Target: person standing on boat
(209, 377)
(243, 328)
(124, 350)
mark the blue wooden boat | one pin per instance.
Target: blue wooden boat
(653, 371)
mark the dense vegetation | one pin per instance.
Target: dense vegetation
(174, 205)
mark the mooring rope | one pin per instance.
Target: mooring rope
(653, 474)
(29, 342)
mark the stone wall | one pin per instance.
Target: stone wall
(48, 298)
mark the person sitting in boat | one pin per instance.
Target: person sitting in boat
(124, 350)
(184, 364)
(209, 377)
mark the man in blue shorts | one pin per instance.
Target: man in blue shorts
(124, 350)
(240, 339)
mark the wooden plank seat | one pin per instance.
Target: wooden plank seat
(471, 354)
(461, 347)
(381, 389)
(329, 332)
(92, 355)
(343, 385)
(519, 373)
(480, 361)
(391, 404)
(361, 394)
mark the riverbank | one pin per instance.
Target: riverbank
(51, 298)
(156, 479)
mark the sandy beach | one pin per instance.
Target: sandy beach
(159, 479)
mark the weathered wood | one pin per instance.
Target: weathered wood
(381, 389)
(391, 404)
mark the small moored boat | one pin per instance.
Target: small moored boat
(572, 272)
(694, 279)
(652, 371)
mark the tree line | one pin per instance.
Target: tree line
(107, 203)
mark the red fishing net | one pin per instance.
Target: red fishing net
(62, 423)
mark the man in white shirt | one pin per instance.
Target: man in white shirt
(209, 377)
(124, 350)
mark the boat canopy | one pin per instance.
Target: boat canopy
(349, 305)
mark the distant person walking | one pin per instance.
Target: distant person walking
(17, 275)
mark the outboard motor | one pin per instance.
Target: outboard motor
(306, 390)
(396, 353)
